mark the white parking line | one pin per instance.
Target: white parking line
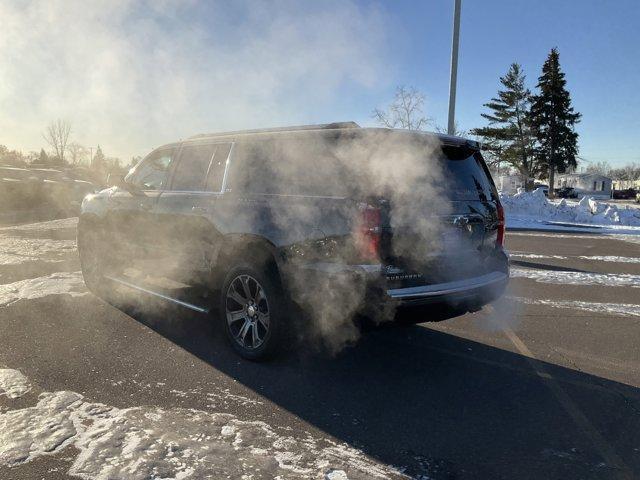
(623, 309)
(580, 419)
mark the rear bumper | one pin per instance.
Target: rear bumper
(367, 286)
(479, 290)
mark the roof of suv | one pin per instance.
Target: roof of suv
(325, 129)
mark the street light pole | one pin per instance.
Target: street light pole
(451, 125)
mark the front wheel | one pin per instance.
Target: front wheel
(251, 309)
(92, 258)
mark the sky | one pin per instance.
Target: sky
(132, 75)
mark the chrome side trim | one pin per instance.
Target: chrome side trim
(151, 292)
(448, 287)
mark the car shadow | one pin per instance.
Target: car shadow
(436, 404)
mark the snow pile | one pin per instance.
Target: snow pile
(13, 384)
(70, 283)
(151, 442)
(536, 207)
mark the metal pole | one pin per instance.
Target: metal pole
(451, 125)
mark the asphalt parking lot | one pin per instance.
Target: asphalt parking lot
(545, 384)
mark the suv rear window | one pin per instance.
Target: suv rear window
(466, 176)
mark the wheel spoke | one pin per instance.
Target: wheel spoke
(255, 339)
(245, 285)
(259, 294)
(243, 331)
(263, 318)
(235, 316)
(235, 296)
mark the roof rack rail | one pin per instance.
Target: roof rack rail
(323, 126)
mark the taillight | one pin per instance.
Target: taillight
(501, 226)
(367, 234)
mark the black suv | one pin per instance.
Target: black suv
(325, 223)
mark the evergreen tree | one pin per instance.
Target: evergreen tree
(44, 158)
(508, 136)
(553, 119)
(98, 160)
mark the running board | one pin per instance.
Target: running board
(159, 295)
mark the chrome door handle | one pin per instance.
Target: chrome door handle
(198, 209)
(145, 206)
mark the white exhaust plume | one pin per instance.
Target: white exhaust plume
(131, 75)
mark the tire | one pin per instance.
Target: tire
(92, 259)
(252, 311)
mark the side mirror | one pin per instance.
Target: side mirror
(117, 180)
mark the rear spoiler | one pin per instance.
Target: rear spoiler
(453, 141)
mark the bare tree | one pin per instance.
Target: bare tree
(57, 136)
(457, 131)
(406, 111)
(78, 154)
(601, 168)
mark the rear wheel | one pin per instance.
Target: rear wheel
(251, 309)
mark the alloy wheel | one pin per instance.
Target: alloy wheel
(247, 311)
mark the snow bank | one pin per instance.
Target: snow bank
(150, 442)
(13, 384)
(60, 283)
(535, 207)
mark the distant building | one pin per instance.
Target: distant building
(625, 184)
(586, 184)
(509, 184)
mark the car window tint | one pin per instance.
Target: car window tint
(216, 170)
(297, 167)
(151, 174)
(191, 172)
(465, 176)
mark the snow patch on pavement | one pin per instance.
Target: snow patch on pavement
(562, 277)
(599, 236)
(150, 442)
(534, 210)
(59, 283)
(13, 384)
(536, 256)
(597, 258)
(34, 431)
(610, 258)
(623, 309)
(16, 250)
(59, 224)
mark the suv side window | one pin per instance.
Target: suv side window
(216, 171)
(201, 168)
(191, 172)
(152, 172)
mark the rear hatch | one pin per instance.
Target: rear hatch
(448, 234)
